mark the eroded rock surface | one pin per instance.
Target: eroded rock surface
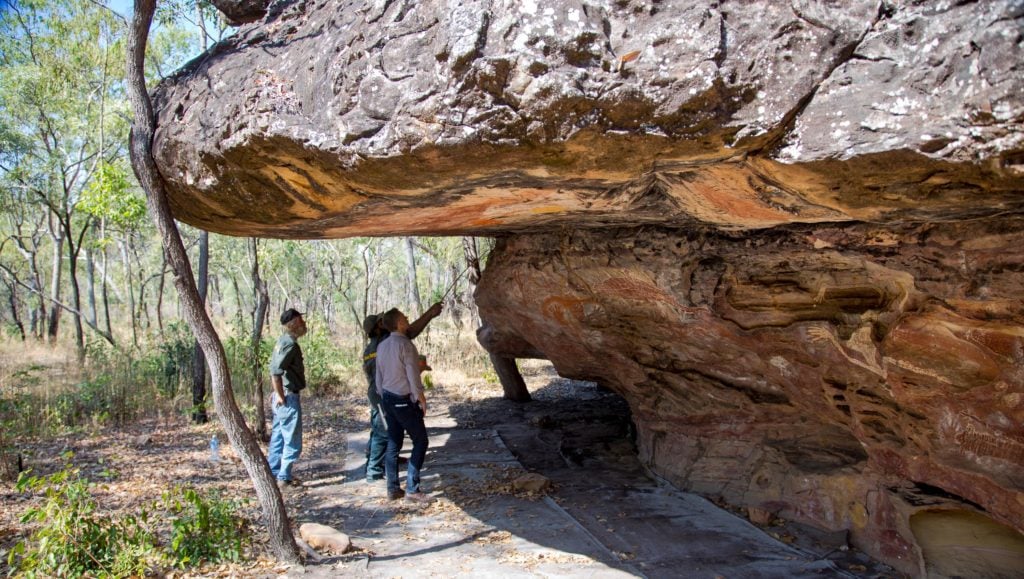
(335, 118)
(849, 376)
(790, 234)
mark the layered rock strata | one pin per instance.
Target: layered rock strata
(849, 376)
(788, 233)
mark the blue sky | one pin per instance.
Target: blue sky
(123, 7)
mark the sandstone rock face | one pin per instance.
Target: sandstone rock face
(849, 376)
(789, 233)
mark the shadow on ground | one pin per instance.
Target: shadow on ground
(602, 516)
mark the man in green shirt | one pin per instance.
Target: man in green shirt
(288, 377)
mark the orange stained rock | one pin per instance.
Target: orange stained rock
(928, 346)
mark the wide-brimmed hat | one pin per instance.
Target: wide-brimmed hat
(289, 315)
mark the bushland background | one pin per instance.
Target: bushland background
(91, 337)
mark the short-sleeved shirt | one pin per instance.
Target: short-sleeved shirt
(286, 362)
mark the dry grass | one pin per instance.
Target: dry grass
(134, 461)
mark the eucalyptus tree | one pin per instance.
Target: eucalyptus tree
(117, 207)
(281, 539)
(61, 88)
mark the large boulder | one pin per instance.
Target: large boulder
(790, 234)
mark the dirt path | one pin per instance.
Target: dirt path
(602, 517)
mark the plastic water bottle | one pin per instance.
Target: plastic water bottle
(214, 449)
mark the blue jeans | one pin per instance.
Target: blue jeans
(404, 417)
(286, 437)
(378, 443)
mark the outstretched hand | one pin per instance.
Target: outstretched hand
(435, 310)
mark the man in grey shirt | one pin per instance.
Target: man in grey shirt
(405, 405)
(288, 377)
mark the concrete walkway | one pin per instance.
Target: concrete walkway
(602, 518)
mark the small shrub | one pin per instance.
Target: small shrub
(169, 363)
(93, 399)
(203, 529)
(326, 362)
(73, 539)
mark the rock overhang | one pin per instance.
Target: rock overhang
(343, 118)
(788, 234)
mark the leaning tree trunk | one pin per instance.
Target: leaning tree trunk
(198, 359)
(140, 145)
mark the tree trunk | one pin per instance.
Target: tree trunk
(90, 283)
(76, 297)
(469, 249)
(198, 359)
(54, 322)
(160, 294)
(12, 301)
(259, 319)
(37, 311)
(282, 541)
(103, 287)
(414, 290)
(127, 264)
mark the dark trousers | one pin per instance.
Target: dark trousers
(404, 416)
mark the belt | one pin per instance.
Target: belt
(369, 357)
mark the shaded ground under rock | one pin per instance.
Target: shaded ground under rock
(603, 516)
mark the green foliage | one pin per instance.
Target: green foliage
(73, 539)
(110, 196)
(88, 401)
(324, 360)
(203, 528)
(169, 362)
